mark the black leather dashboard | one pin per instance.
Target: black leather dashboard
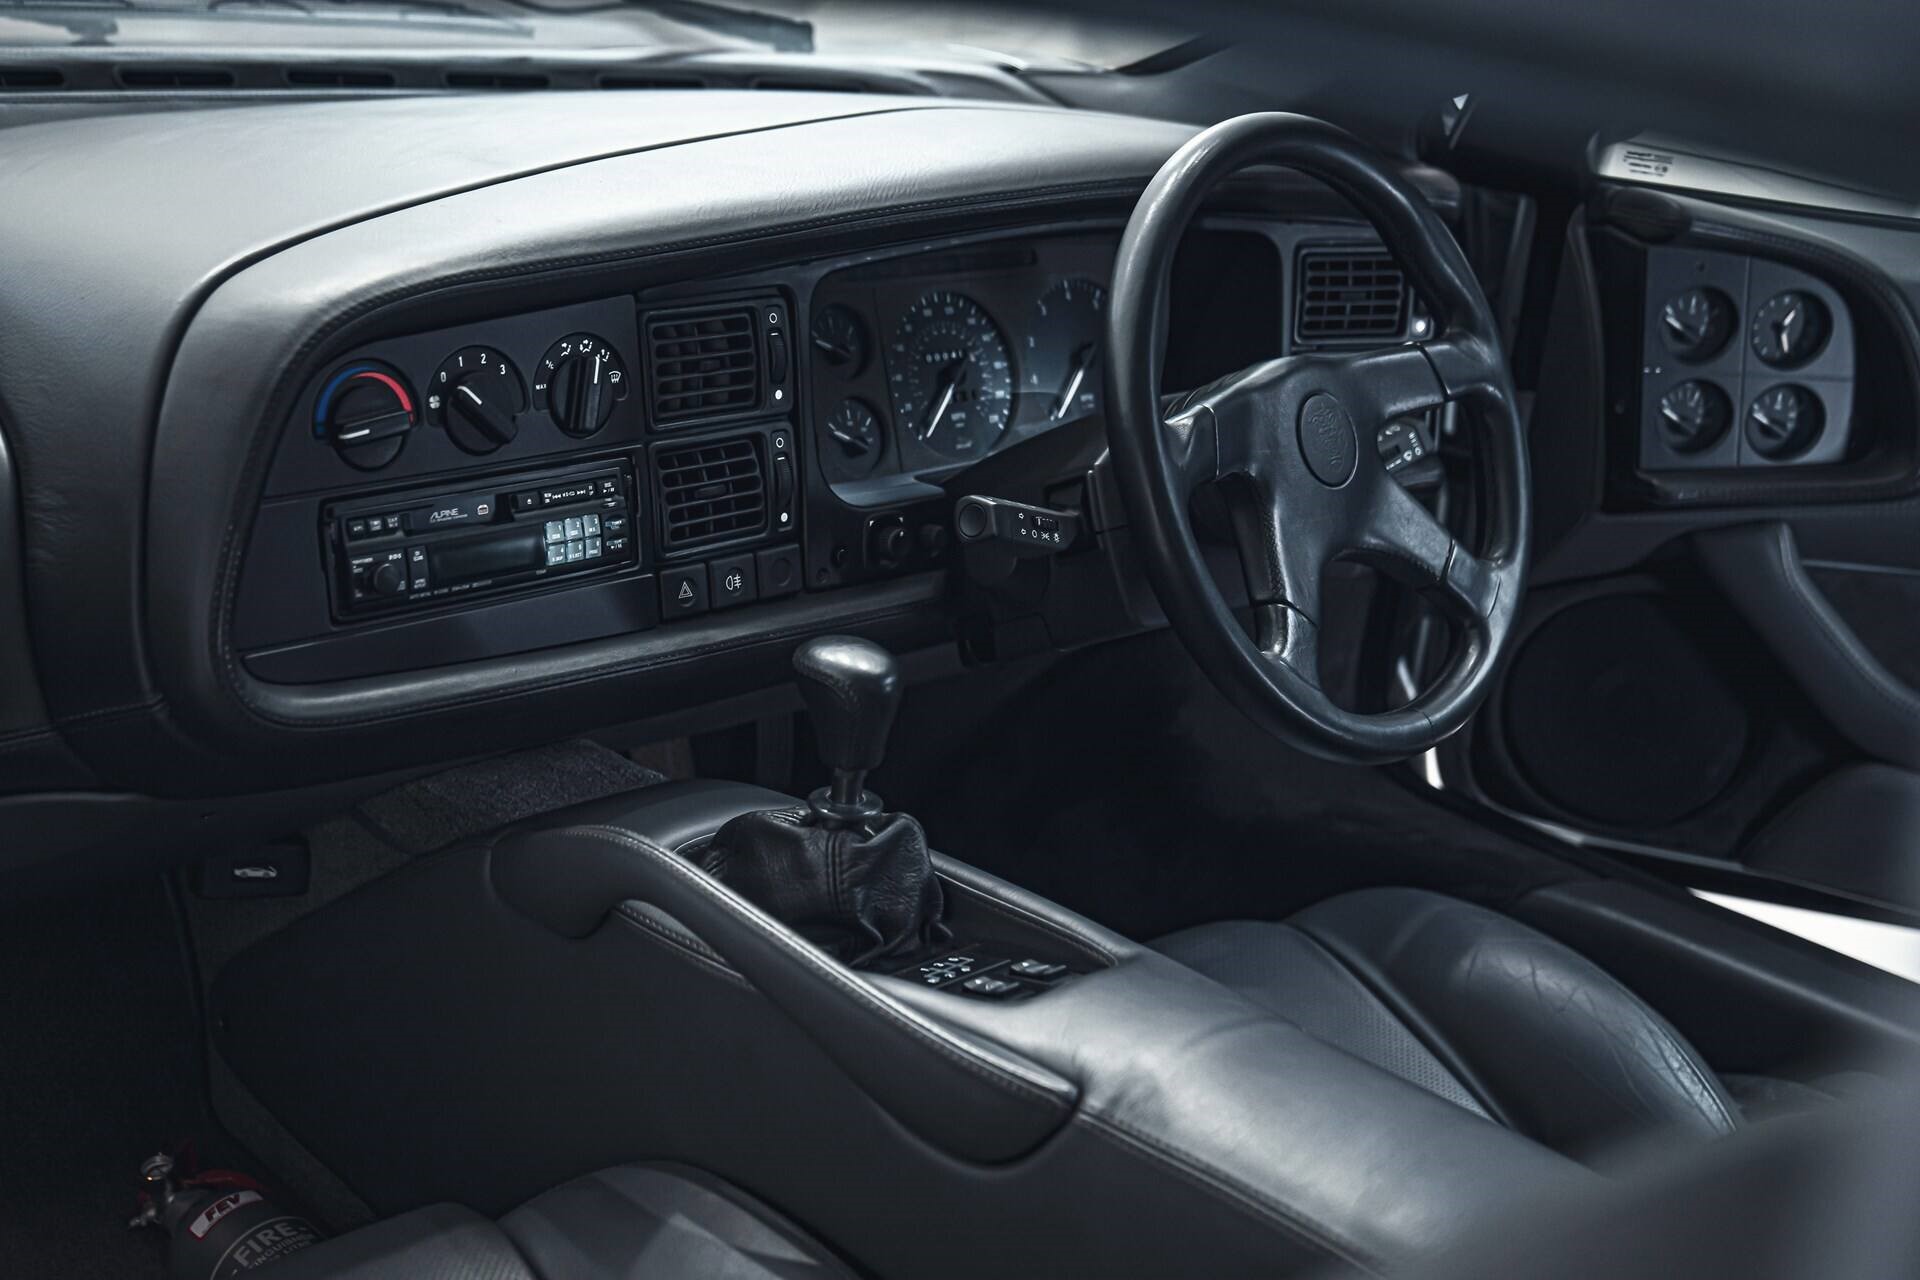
(156, 334)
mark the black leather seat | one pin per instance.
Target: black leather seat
(1475, 1007)
(636, 1222)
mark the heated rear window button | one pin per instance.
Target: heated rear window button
(683, 590)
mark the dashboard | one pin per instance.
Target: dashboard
(572, 473)
(480, 422)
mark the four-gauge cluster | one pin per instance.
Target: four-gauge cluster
(918, 372)
(1748, 363)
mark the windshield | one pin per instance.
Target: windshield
(971, 32)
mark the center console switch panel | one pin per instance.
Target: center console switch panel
(414, 549)
(984, 973)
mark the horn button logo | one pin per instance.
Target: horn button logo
(1327, 440)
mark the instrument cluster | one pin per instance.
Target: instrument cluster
(935, 361)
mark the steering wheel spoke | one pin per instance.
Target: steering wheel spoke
(1392, 382)
(1406, 541)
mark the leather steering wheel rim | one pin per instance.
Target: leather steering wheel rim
(1290, 442)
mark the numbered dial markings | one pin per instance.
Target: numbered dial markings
(1061, 364)
(950, 375)
(476, 395)
(578, 382)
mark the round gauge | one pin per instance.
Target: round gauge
(840, 336)
(578, 382)
(851, 441)
(1695, 415)
(476, 395)
(951, 376)
(1784, 421)
(1062, 355)
(1790, 329)
(1696, 323)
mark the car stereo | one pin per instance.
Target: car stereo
(415, 549)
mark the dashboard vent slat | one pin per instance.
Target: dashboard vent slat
(710, 492)
(1349, 295)
(340, 78)
(703, 365)
(32, 78)
(497, 80)
(177, 78)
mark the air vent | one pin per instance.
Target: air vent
(176, 77)
(703, 364)
(496, 80)
(631, 80)
(1349, 295)
(339, 78)
(31, 78)
(710, 492)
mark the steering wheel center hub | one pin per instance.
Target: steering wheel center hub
(1328, 442)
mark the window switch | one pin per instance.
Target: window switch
(1038, 969)
(989, 987)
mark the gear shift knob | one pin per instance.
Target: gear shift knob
(852, 689)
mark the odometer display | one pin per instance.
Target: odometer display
(950, 376)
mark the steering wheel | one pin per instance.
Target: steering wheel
(1290, 443)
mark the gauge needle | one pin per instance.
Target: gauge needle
(832, 348)
(1082, 362)
(1783, 327)
(950, 385)
(852, 442)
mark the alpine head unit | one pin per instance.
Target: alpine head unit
(419, 548)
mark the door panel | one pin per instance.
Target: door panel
(1718, 674)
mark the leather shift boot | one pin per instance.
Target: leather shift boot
(856, 894)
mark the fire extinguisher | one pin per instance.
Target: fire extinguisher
(222, 1224)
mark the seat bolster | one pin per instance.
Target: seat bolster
(439, 1242)
(660, 1220)
(1571, 1057)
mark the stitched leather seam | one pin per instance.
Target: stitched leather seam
(1428, 1037)
(1010, 911)
(227, 659)
(925, 1034)
(1227, 1188)
(683, 945)
(1669, 1038)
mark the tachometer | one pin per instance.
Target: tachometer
(1062, 364)
(951, 376)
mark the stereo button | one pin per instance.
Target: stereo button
(556, 553)
(556, 531)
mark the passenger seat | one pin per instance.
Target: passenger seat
(636, 1222)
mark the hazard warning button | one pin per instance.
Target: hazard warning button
(683, 591)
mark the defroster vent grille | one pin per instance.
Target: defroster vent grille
(711, 492)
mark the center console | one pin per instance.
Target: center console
(1024, 1091)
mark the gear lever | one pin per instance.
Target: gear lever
(850, 877)
(852, 689)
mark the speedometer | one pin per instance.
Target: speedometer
(951, 376)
